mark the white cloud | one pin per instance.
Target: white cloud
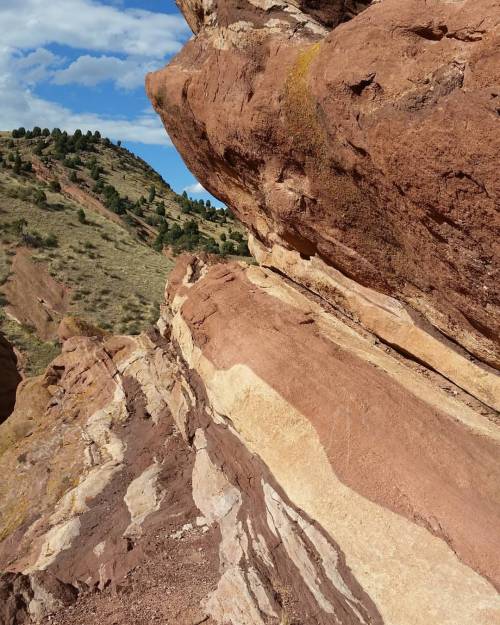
(33, 67)
(90, 25)
(91, 70)
(142, 37)
(19, 106)
(195, 189)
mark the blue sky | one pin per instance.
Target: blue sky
(81, 64)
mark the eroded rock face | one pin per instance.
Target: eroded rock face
(258, 459)
(372, 146)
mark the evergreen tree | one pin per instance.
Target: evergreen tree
(152, 194)
(81, 216)
(39, 147)
(243, 249)
(227, 248)
(18, 163)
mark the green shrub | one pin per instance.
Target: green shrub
(51, 240)
(39, 197)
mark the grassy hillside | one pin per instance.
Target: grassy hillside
(100, 226)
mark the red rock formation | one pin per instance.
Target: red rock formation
(296, 442)
(299, 470)
(373, 146)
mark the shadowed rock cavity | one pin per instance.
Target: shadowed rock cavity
(10, 378)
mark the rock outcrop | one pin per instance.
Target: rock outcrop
(315, 475)
(372, 146)
(313, 439)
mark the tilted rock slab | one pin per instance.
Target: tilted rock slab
(333, 481)
(381, 488)
(371, 144)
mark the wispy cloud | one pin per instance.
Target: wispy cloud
(138, 41)
(20, 106)
(91, 70)
(90, 25)
(195, 189)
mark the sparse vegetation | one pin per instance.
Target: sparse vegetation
(111, 243)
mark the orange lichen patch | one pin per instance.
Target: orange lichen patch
(309, 135)
(300, 105)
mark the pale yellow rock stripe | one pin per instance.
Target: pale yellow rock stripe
(344, 336)
(413, 577)
(386, 317)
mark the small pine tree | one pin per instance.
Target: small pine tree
(160, 209)
(55, 186)
(18, 164)
(81, 216)
(152, 194)
(46, 132)
(158, 244)
(73, 177)
(39, 148)
(243, 249)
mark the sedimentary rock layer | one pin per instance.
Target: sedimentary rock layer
(371, 144)
(300, 470)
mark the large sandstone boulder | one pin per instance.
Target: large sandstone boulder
(373, 146)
